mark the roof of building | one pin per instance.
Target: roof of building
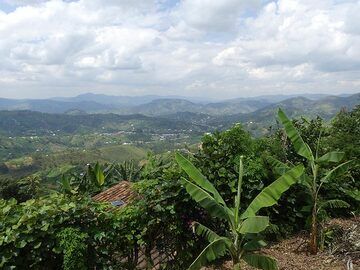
(118, 195)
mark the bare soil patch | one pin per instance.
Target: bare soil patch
(292, 253)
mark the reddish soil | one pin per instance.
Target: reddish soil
(292, 253)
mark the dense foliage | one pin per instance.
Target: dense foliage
(57, 226)
(241, 240)
(31, 232)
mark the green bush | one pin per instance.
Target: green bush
(218, 158)
(73, 243)
(29, 231)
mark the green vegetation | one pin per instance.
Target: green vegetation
(242, 239)
(250, 190)
(323, 105)
(315, 181)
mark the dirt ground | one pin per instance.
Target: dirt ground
(292, 253)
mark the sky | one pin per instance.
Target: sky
(202, 48)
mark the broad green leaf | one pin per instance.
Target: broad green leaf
(99, 174)
(278, 166)
(307, 208)
(254, 224)
(59, 171)
(306, 181)
(281, 168)
(204, 231)
(213, 251)
(65, 182)
(260, 261)
(270, 195)
(300, 146)
(238, 195)
(355, 194)
(331, 157)
(197, 177)
(205, 199)
(333, 204)
(337, 171)
(254, 245)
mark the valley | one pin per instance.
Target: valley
(36, 142)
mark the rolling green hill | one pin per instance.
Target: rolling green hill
(27, 123)
(36, 162)
(17, 123)
(162, 107)
(260, 120)
(151, 105)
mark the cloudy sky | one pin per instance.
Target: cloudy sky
(212, 48)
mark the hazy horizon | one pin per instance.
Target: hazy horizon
(192, 48)
(199, 98)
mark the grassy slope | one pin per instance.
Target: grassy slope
(40, 162)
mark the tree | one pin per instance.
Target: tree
(218, 159)
(90, 182)
(128, 170)
(345, 134)
(242, 238)
(318, 175)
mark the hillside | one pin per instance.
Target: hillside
(295, 107)
(125, 101)
(153, 105)
(52, 106)
(164, 106)
(15, 123)
(160, 107)
(28, 164)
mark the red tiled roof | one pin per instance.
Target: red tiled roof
(121, 191)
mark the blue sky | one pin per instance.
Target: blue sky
(220, 49)
(6, 7)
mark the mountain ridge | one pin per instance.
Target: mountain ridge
(153, 105)
(28, 123)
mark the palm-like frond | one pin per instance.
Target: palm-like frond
(254, 224)
(65, 183)
(254, 244)
(260, 261)
(205, 199)
(333, 204)
(271, 194)
(355, 193)
(337, 171)
(300, 146)
(197, 177)
(213, 251)
(331, 157)
(204, 231)
(278, 166)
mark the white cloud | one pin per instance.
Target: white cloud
(212, 15)
(195, 47)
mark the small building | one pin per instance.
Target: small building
(120, 195)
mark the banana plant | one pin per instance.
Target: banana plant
(242, 240)
(315, 180)
(96, 174)
(93, 180)
(128, 170)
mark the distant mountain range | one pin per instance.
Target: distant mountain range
(163, 106)
(260, 120)
(164, 115)
(30, 123)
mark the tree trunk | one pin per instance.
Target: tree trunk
(236, 264)
(313, 235)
